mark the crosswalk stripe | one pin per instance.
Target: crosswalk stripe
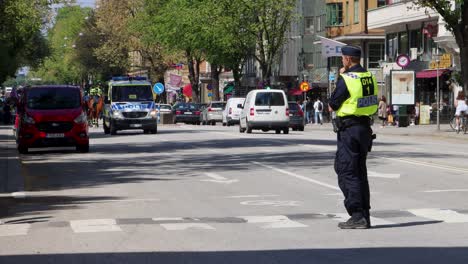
(375, 221)
(185, 226)
(14, 230)
(274, 221)
(448, 216)
(94, 225)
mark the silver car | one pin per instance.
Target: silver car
(213, 113)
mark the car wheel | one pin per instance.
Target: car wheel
(83, 148)
(106, 128)
(286, 130)
(249, 129)
(213, 123)
(198, 123)
(301, 128)
(23, 149)
(112, 129)
(224, 124)
(154, 131)
(241, 130)
(265, 130)
(277, 131)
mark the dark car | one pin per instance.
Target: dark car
(50, 116)
(296, 116)
(188, 113)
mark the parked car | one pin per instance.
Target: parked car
(50, 116)
(296, 116)
(165, 108)
(265, 110)
(213, 113)
(231, 113)
(188, 113)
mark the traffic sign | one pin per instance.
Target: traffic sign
(158, 88)
(304, 86)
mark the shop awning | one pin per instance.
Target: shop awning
(295, 92)
(430, 73)
(187, 90)
(228, 88)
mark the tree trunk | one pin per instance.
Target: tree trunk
(194, 76)
(464, 68)
(215, 72)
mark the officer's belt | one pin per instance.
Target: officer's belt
(349, 121)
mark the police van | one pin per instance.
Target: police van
(129, 104)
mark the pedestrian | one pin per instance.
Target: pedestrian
(416, 114)
(461, 108)
(382, 111)
(310, 110)
(318, 111)
(396, 114)
(355, 101)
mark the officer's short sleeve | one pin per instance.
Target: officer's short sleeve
(340, 94)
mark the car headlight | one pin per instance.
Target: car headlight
(117, 114)
(153, 113)
(81, 119)
(28, 120)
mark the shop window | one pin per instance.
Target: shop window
(381, 3)
(376, 53)
(335, 14)
(356, 11)
(309, 25)
(336, 62)
(392, 46)
(415, 39)
(403, 43)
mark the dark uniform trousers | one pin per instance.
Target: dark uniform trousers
(350, 166)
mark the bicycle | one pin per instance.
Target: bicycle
(463, 123)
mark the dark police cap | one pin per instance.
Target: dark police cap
(352, 51)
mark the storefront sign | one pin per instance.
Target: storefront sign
(402, 87)
(424, 114)
(445, 62)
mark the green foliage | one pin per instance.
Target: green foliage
(21, 41)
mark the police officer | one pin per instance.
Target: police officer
(355, 101)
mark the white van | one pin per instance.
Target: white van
(265, 110)
(231, 114)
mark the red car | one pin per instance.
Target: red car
(51, 116)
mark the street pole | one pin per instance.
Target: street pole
(438, 92)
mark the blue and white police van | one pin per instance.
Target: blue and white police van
(129, 104)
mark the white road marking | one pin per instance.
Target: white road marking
(163, 219)
(271, 203)
(298, 176)
(375, 174)
(374, 220)
(249, 196)
(185, 226)
(18, 195)
(321, 147)
(218, 179)
(94, 225)
(448, 216)
(428, 164)
(14, 230)
(449, 190)
(273, 221)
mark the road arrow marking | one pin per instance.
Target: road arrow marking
(273, 221)
(448, 216)
(374, 174)
(218, 179)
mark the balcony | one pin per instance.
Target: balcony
(396, 14)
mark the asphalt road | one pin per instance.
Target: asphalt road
(208, 194)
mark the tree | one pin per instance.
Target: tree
(273, 18)
(21, 40)
(455, 14)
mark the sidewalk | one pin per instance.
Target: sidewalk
(9, 162)
(411, 131)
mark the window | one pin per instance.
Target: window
(309, 25)
(392, 46)
(319, 23)
(381, 3)
(356, 11)
(53, 98)
(132, 93)
(376, 53)
(335, 14)
(415, 39)
(269, 99)
(403, 44)
(347, 14)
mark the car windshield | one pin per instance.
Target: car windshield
(269, 99)
(218, 105)
(186, 106)
(53, 98)
(165, 107)
(132, 93)
(293, 106)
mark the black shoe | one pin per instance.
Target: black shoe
(354, 223)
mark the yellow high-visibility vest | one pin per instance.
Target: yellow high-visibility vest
(363, 90)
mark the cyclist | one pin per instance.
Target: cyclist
(460, 105)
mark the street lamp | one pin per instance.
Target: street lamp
(437, 60)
